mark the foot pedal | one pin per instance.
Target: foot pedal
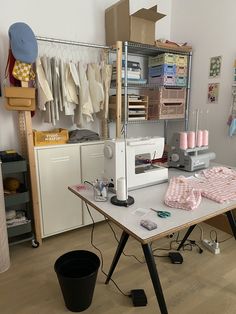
(138, 297)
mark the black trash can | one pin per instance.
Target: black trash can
(77, 274)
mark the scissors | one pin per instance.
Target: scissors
(161, 213)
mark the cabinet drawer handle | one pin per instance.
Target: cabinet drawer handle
(95, 155)
(58, 159)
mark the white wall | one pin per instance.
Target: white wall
(73, 20)
(209, 26)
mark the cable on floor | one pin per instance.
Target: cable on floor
(186, 247)
(96, 248)
(127, 255)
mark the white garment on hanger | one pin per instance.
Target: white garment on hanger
(78, 119)
(55, 87)
(44, 92)
(47, 113)
(95, 86)
(84, 95)
(59, 95)
(71, 95)
(106, 78)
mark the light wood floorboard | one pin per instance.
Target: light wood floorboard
(204, 283)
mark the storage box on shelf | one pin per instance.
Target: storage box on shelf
(138, 27)
(16, 196)
(165, 103)
(137, 107)
(53, 137)
(168, 69)
(168, 72)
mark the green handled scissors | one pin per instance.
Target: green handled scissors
(161, 213)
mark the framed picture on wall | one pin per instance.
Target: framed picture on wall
(213, 93)
(215, 66)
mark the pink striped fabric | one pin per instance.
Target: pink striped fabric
(217, 184)
(181, 195)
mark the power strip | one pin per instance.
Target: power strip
(211, 246)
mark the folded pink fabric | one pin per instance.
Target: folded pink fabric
(217, 184)
(181, 195)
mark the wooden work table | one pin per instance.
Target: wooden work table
(128, 219)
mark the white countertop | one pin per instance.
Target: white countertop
(128, 218)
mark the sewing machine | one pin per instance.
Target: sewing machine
(141, 154)
(189, 159)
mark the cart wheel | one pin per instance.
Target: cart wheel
(35, 244)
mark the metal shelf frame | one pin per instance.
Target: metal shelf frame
(130, 48)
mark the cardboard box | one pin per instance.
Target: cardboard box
(53, 137)
(137, 27)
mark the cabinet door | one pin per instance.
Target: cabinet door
(92, 167)
(58, 168)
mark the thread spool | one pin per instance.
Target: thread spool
(199, 138)
(191, 139)
(205, 137)
(120, 189)
(183, 140)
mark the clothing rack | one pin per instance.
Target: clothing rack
(26, 134)
(104, 124)
(71, 42)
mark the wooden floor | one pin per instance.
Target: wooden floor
(204, 283)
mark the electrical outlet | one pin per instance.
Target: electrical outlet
(211, 246)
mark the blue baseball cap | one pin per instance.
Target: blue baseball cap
(23, 42)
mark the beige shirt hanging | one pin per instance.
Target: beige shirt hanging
(84, 94)
(70, 92)
(95, 86)
(44, 92)
(47, 114)
(106, 78)
(78, 119)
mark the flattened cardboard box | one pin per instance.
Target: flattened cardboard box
(138, 27)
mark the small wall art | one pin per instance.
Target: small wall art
(213, 93)
(215, 67)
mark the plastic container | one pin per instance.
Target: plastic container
(100, 190)
(77, 273)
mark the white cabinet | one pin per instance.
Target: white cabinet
(92, 167)
(58, 167)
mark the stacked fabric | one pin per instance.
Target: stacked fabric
(217, 184)
(181, 195)
(133, 72)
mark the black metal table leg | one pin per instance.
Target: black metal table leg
(155, 278)
(123, 239)
(232, 222)
(187, 234)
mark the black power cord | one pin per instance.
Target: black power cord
(93, 245)
(127, 255)
(186, 247)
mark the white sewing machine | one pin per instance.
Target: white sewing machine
(140, 156)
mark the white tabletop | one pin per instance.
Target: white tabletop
(128, 218)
